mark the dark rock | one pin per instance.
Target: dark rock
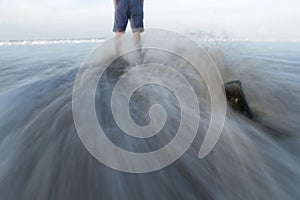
(236, 97)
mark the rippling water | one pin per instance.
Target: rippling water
(41, 156)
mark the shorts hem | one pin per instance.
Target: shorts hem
(138, 30)
(118, 30)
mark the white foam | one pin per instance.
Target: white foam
(48, 42)
(201, 38)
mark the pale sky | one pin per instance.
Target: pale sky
(60, 19)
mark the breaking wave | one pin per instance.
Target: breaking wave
(41, 156)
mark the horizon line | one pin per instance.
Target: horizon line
(30, 42)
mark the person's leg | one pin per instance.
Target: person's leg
(118, 34)
(120, 23)
(137, 38)
(136, 19)
(138, 46)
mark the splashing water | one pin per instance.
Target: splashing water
(41, 156)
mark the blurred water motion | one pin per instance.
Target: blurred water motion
(41, 156)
